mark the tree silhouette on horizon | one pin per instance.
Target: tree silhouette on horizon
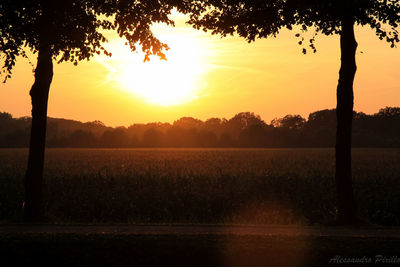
(266, 18)
(377, 130)
(67, 31)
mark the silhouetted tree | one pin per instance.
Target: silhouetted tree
(188, 123)
(67, 31)
(241, 121)
(206, 139)
(378, 130)
(81, 138)
(226, 140)
(4, 116)
(393, 112)
(387, 122)
(320, 128)
(175, 137)
(258, 19)
(215, 125)
(115, 138)
(253, 136)
(134, 141)
(289, 121)
(153, 138)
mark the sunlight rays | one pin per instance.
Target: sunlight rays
(174, 81)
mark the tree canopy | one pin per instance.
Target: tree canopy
(75, 29)
(261, 19)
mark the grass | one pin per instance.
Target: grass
(257, 186)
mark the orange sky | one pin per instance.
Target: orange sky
(206, 76)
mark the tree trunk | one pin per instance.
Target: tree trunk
(33, 205)
(347, 211)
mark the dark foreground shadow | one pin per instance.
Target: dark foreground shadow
(192, 250)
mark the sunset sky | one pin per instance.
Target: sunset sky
(206, 76)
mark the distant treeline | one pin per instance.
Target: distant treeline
(243, 130)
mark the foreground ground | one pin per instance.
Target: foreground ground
(227, 186)
(207, 186)
(195, 245)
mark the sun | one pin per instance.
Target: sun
(170, 82)
(166, 82)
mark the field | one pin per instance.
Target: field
(227, 186)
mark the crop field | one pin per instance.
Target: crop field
(228, 186)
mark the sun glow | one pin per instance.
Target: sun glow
(174, 81)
